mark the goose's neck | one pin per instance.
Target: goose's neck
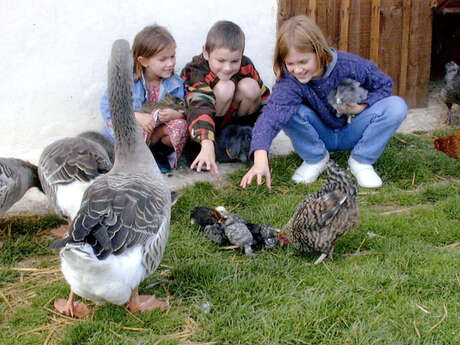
(131, 152)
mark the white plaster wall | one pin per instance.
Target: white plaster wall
(53, 57)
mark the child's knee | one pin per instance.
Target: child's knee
(249, 89)
(397, 108)
(224, 90)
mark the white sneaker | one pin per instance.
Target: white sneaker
(365, 174)
(308, 173)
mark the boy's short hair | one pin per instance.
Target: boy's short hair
(302, 34)
(225, 34)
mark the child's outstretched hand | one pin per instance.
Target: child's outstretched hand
(353, 108)
(260, 169)
(207, 157)
(168, 114)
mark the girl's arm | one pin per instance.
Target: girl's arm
(378, 84)
(260, 169)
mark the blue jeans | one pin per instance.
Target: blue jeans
(366, 136)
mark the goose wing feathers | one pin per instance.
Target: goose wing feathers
(73, 159)
(7, 181)
(119, 213)
(68, 160)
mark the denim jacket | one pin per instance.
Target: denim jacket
(173, 85)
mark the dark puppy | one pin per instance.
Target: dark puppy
(233, 143)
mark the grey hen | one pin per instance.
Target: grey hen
(348, 91)
(16, 177)
(325, 216)
(451, 90)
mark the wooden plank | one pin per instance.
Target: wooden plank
(365, 29)
(404, 47)
(375, 31)
(389, 50)
(424, 54)
(283, 12)
(344, 24)
(311, 10)
(354, 35)
(412, 75)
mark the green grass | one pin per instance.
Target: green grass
(401, 286)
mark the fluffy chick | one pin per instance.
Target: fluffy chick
(325, 216)
(348, 91)
(265, 236)
(216, 233)
(204, 215)
(451, 90)
(236, 230)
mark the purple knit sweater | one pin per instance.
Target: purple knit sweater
(288, 94)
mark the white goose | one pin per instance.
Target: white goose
(68, 166)
(118, 236)
(16, 177)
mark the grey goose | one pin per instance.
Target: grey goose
(118, 237)
(16, 177)
(68, 166)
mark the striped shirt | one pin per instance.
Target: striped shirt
(199, 82)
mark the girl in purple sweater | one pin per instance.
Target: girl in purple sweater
(307, 70)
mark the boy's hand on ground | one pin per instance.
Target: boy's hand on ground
(145, 121)
(206, 157)
(260, 169)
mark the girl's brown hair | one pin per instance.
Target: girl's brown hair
(150, 41)
(302, 34)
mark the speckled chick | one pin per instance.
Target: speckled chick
(236, 230)
(265, 236)
(216, 233)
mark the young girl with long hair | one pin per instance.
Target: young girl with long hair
(307, 70)
(165, 130)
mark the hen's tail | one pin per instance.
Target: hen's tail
(340, 178)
